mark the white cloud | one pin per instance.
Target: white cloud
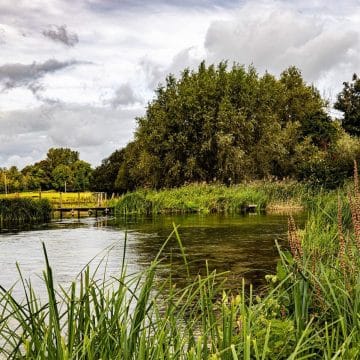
(94, 131)
(125, 95)
(273, 35)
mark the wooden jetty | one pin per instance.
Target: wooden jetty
(108, 210)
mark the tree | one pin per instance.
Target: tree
(104, 176)
(62, 177)
(216, 123)
(61, 156)
(81, 175)
(348, 101)
(35, 177)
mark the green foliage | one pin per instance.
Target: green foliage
(226, 125)
(205, 198)
(24, 211)
(348, 102)
(330, 168)
(61, 176)
(82, 172)
(62, 165)
(104, 176)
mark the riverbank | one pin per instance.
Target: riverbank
(310, 308)
(20, 211)
(205, 198)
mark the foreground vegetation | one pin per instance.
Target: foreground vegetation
(310, 308)
(24, 211)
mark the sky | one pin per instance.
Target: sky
(77, 73)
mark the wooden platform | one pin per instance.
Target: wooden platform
(90, 210)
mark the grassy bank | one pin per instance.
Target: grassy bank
(24, 211)
(204, 198)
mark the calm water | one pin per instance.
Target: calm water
(242, 245)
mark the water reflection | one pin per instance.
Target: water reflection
(242, 245)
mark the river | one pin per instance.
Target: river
(242, 245)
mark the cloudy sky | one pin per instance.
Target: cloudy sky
(77, 73)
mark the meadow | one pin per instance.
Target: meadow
(58, 199)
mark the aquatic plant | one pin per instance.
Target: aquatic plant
(202, 198)
(18, 210)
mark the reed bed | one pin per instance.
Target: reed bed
(27, 211)
(203, 198)
(309, 310)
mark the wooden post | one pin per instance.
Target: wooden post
(78, 199)
(60, 199)
(78, 213)
(40, 194)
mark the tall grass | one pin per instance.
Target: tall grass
(135, 317)
(206, 198)
(191, 198)
(24, 211)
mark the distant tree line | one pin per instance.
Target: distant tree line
(218, 124)
(228, 125)
(61, 169)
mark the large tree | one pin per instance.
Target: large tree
(348, 101)
(228, 125)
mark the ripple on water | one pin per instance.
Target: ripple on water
(238, 244)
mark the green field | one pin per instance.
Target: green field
(62, 199)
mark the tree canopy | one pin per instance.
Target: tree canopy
(61, 168)
(227, 125)
(348, 101)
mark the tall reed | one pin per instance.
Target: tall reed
(24, 210)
